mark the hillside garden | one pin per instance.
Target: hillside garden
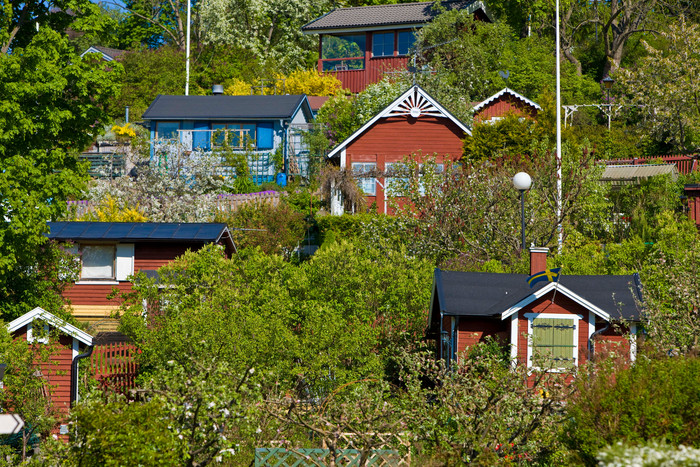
(273, 348)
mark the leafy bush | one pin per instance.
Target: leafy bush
(656, 399)
(111, 433)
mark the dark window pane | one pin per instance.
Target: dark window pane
(346, 46)
(167, 130)
(406, 40)
(383, 44)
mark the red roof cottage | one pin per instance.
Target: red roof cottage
(359, 44)
(503, 102)
(110, 252)
(73, 344)
(414, 124)
(557, 325)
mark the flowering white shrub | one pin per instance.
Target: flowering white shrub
(653, 454)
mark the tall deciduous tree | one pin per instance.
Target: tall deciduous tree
(664, 89)
(271, 29)
(20, 21)
(51, 108)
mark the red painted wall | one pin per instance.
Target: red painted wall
(504, 104)
(392, 139)
(57, 374)
(472, 330)
(146, 256)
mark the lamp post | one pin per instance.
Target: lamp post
(522, 183)
(3, 366)
(608, 82)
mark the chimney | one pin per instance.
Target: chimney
(217, 89)
(538, 259)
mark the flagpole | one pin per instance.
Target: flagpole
(187, 60)
(560, 231)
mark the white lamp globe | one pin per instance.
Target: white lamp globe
(522, 181)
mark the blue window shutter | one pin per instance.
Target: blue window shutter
(266, 135)
(201, 139)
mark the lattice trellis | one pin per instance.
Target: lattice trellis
(415, 105)
(283, 457)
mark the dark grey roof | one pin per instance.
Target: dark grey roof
(407, 14)
(137, 231)
(225, 107)
(490, 294)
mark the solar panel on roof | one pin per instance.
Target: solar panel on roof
(120, 229)
(186, 231)
(141, 231)
(209, 232)
(164, 231)
(70, 230)
(96, 230)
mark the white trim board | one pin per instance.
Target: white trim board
(560, 289)
(43, 315)
(414, 98)
(503, 91)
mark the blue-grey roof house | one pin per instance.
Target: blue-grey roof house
(258, 125)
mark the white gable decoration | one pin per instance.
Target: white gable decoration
(415, 103)
(503, 91)
(43, 315)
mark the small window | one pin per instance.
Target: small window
(553, 343)
(383, 44)
(367, 184)
(406, 41)
(167, 130)
(398, 179)
(97, 262)
(238, 135)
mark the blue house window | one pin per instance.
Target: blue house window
(167, 130)
(383, 44)
(238, 135)
(406, 40)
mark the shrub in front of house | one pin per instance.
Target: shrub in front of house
(655, 399)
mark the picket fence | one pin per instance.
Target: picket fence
(114, 366)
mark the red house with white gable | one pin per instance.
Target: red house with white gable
(503, 102)
(414, 125)
(359, 44)
(110, 252)
(553, 325)
(73, 344)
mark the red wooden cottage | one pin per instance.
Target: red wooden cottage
(359, 44)
(554, 325)
(414, 125)
(73, 345)
(503, 102)
(110, 252)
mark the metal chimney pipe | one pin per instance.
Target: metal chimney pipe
(217, 89)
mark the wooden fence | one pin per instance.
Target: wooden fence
(114, 366)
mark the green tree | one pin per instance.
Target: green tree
(271, 29)
(661, 91)
(21, 21)
(27, 385)
(50, 102)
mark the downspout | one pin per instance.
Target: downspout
(74, 374)
(590, 341)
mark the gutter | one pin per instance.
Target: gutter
(74, 374)
(590, 340)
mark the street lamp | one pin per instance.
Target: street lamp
(522, 183)
(608, 82)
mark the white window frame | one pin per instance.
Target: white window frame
(123, 264)
(576, 319)
(365, 183)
